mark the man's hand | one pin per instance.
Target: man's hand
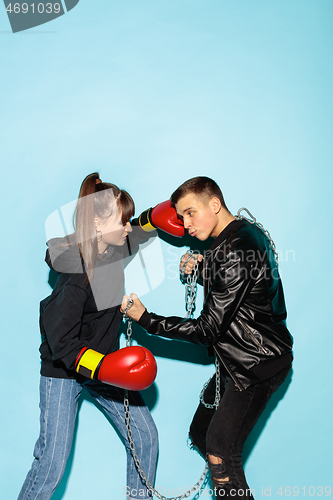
(190, 264)
(136, 310)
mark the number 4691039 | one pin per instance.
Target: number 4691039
(40, 8)
(311, 491)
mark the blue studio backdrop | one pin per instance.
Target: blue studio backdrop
(150, 93)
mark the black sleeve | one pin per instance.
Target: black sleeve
(230, 287)
(62, 321)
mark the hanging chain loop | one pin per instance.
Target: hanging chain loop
(217, 388)
(143, 476)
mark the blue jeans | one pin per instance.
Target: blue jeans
(58, 410)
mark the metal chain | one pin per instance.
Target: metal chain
(190, 296)
(143, 476)
(191, 284)
(142, 473)
(217, 388)
(253, 220)
(129, 322)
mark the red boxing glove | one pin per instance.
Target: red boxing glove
(163, 216)
(132, 367)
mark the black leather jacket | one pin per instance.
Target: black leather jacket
(244, 311)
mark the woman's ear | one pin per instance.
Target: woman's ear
(97, 221)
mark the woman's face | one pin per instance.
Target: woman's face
(114, 231)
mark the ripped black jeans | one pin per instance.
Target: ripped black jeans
(220, 434)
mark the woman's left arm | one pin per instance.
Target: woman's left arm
(62, 321)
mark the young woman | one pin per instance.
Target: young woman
(83, 312)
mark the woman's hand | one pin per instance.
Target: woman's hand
(190, 264)
(136, 310)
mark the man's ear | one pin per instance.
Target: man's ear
(215, 204)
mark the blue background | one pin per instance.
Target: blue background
(150, 93)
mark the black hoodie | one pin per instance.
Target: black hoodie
(79, 313)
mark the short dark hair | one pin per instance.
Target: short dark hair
(202, 186)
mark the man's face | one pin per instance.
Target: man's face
(199, 215)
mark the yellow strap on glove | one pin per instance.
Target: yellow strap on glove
(145, 221)
(89, 362)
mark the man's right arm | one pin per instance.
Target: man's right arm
(226, 295)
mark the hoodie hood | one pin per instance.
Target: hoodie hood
(63, 255)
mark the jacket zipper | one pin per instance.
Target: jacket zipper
(237, 384)
(254, 339)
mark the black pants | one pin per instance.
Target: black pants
(221, 434)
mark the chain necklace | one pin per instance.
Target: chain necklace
(253, 221)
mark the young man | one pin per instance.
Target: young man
(243, 321)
